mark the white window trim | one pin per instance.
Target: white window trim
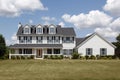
(52, 26)
(27, 27)
(38, 28)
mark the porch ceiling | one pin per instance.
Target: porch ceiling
(36, 46)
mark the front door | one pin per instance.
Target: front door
(39, 53)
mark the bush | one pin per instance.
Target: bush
(13, 57)
(56, 57)
(82, 57)
(75, 55)
(46, 57)
(18, 57)
(61, 56)
(92, 57)
(32, 57)
(103, 57)
(51, 56)
(87, 57)
(22, 57)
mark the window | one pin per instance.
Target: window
(57, 39)
(39, 31)
(68, 39)
(56, 51)
(52, 31)
(88, 51)
(26, 31)
(49, 51)
(20, 51)
(39, 39)
(27, 51)
(68, 51)
(50, 39)
(29, 39)
(21, 39)
(103, 51)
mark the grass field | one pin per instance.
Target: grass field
(59, 70)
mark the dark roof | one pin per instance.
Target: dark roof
(68, 31)
(80, 40)
(59, 30)
(36, 46)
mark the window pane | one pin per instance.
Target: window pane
(103, 51)
(39, 30)
(49, 51)
(88, 51)
(56, 51)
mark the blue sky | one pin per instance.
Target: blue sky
(85, 16)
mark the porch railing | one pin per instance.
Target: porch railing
(10, 55)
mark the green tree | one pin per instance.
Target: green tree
(2, 46)
(117, 44)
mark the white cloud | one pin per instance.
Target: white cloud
(62, 24)
(99, 21)
(93, 19)
(46, 18)
(113, 6)
(12, 8)
(106, 32)
(115, 25)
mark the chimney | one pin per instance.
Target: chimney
(19, 25)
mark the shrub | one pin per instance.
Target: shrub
(32, 57)
(61, 56)
(13, 57)
(92, 57)
(82, 57)
(51, 56)
(18, 57)
(22, 57)
(56, 57)
(97, 56)
(75, 55)
(87, 57)
(46, 57)
(103, 57)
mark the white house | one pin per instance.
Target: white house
(94, 45)
(40, 40)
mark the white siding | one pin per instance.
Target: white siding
(69, 45)
(96, 43)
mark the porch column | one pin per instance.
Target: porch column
(42, 52)
(52, 51)
(35, 53)
(22, 51)
(61, 51)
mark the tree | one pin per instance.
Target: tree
(2, 46)
(117, 44)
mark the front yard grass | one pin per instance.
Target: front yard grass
(59, 69)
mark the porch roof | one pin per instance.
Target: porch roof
(36, 46)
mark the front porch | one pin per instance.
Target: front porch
(36, 53)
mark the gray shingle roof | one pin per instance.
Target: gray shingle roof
(80, 40)
(36, 46)
(59, 31)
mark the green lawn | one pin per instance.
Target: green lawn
(60, 70)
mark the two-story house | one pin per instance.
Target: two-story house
(40, 40)
(43, 40)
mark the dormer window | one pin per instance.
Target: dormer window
(39, 30)
(27, 30)
(52, 29)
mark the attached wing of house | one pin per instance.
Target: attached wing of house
(94, 44)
